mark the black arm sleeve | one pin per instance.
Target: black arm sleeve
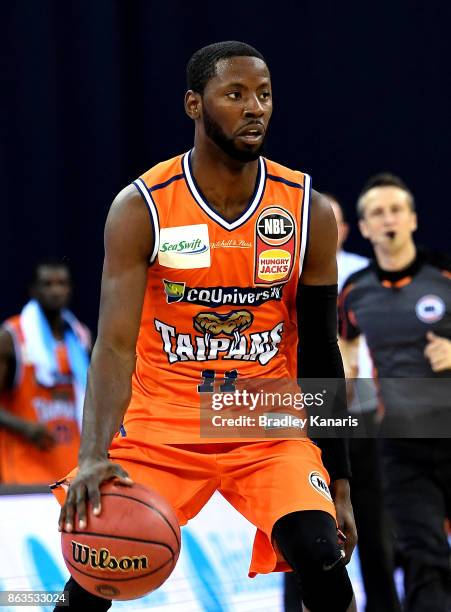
(319, 357)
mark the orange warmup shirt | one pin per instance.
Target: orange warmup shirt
(20, 461)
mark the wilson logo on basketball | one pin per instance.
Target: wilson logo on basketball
(103, 560)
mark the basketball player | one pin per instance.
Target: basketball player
(203, 257)
(42, 351)
(402, 304)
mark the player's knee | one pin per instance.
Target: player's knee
(308, 541)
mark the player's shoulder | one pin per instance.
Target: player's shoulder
(9, 332)
(159, 177)
(12, 326)
(11, 321)
(282, 174)
(437, 259)
(163, 174)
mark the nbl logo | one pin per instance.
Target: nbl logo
(317, 481)
(275, 226)
(275, 246)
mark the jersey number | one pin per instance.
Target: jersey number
(209, 377)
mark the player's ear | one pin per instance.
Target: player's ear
(193, 104)
(414, 221)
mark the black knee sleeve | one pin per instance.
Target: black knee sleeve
(79, 599)
(308, 541)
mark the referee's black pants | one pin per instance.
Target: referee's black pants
(375, 534)
(417, 479)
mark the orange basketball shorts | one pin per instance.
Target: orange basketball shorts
(262, 480)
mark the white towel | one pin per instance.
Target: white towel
(41, 349)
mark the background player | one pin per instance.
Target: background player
(402, 303)
(43, 365)
(198, 203)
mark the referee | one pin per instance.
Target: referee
(402, 304)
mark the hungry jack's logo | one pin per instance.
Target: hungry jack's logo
(102, 559)
(275, 228)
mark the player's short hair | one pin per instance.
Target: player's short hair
(202, 65)
(51, 262)
(384, 179)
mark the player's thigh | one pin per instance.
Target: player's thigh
(186, 478)
(266, 480)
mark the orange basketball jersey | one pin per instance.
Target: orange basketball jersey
(220, 297)
(54, 407)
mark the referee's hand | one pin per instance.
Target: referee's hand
(438, 352)
(86, 487)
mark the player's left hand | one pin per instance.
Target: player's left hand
(345, 515)
(438, 352)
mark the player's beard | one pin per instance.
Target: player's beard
(216, 134)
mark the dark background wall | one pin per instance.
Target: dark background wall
(93, 96)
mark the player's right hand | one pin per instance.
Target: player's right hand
(86, 488)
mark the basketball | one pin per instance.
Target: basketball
(127, 551)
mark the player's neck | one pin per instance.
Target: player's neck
(227, 184)
(392, 261)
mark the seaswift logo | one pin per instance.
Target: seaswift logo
(182, 246)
